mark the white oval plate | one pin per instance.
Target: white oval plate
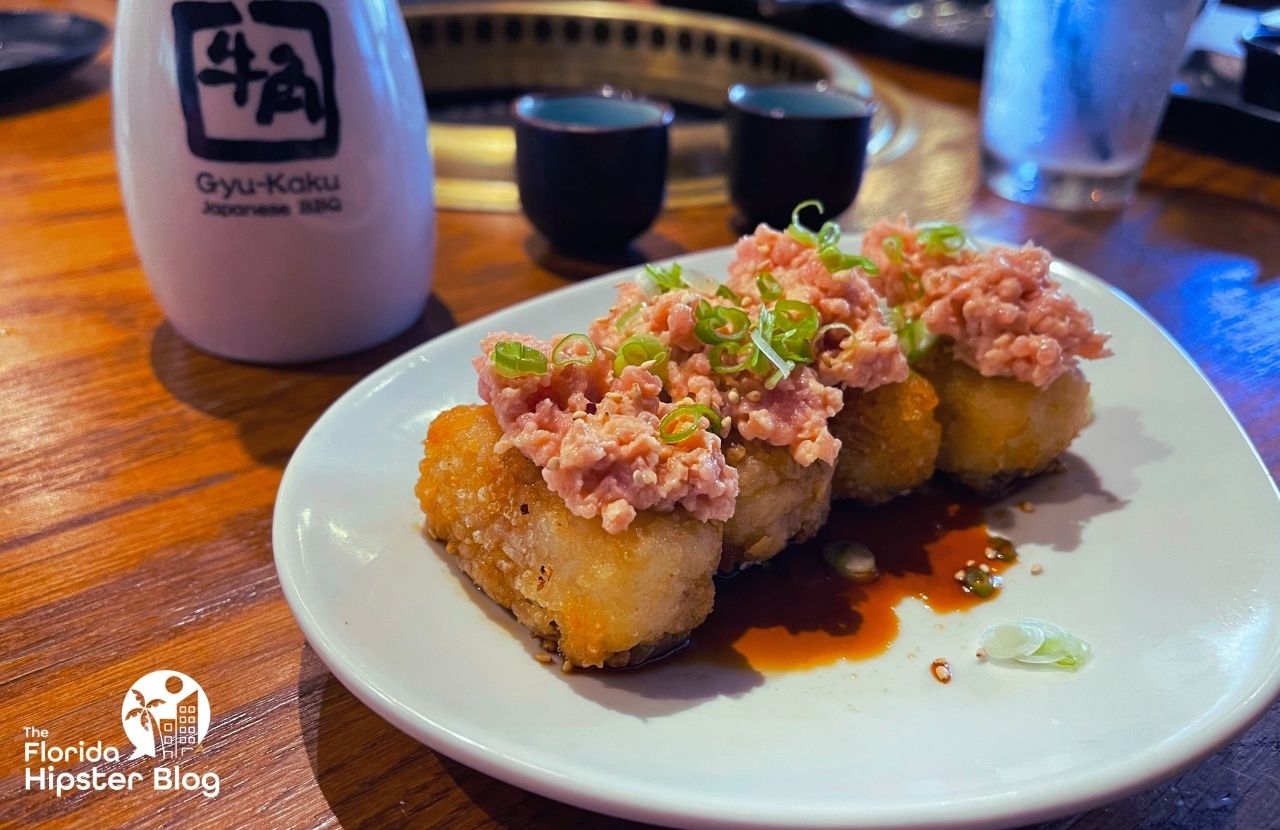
(1159, 547)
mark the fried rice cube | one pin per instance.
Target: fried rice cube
(600, 599)
(889, 440)
(996, 430)
(779, 502)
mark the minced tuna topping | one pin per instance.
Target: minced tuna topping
(595, 434)
(630, 415)
(1004, 312)
(866, 358)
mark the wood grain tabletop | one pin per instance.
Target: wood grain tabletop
(137, 474)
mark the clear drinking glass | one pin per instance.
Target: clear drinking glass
(1072, 94)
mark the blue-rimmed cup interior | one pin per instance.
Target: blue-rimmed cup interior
(591, 166)
(800, 101)
(600, 111)
(789, 143)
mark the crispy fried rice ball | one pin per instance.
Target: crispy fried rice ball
(996, 430)
(889, 440)
(779, 502)
(600, 599)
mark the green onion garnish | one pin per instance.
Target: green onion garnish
(514, 359)
(837, 260)
(893, 248)
(727, 293)
(942, 239)
(797, 318)
(828, 235)
(640, 349)
(852, 561)
(567, 352)
(627, 316)
(1034, 641)
(915, 339)
(727, 358)
(668, 279)
(797, 230)
(770, 289)
(820, 337)
(793, 347)
(783, 366)
(684, 421)
(711, 319)
(978, 582)
(1001, 549)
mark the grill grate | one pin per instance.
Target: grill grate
(476, 57)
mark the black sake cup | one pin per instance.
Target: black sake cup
(1261, 83)
(789, 143)
(591, 166)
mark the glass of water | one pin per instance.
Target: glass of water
(1072, 94)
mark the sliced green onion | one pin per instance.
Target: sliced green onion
(837, 260)
(1034, 641)
(828, 235)
(796, 317)
(784, 367)
(727, 293)
(640, 349)
(942, 238)
(978, 582)
(514, 359)
(1001, 549)
(797, 229)
(820, 337)
(627, 316)
(915, 339)
(698, 281)
(893, 248)
(794, 347)
(683, 421)
(769, 288)
(852, 561)
(727, 358)
(564, 352)
(668, 279)
(708, 327)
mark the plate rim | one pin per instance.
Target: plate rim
(1012, 808)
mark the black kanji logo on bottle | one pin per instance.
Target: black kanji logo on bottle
(256, 89)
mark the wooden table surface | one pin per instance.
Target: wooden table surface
(137, 475)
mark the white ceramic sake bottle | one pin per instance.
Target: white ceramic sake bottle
(273, 157)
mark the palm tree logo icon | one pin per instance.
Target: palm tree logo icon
(165, 714)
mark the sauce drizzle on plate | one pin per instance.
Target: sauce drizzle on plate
(795, 612)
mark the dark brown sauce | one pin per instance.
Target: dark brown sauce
(794, 612)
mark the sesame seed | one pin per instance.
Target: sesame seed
(542, 657)
(734, 397)
(754, 396)
(970, 563)
(960, 576)
(941, 670)
(1027, 507)
(985, 568)
(553, 463)
(566, 667)
(1037, 569)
